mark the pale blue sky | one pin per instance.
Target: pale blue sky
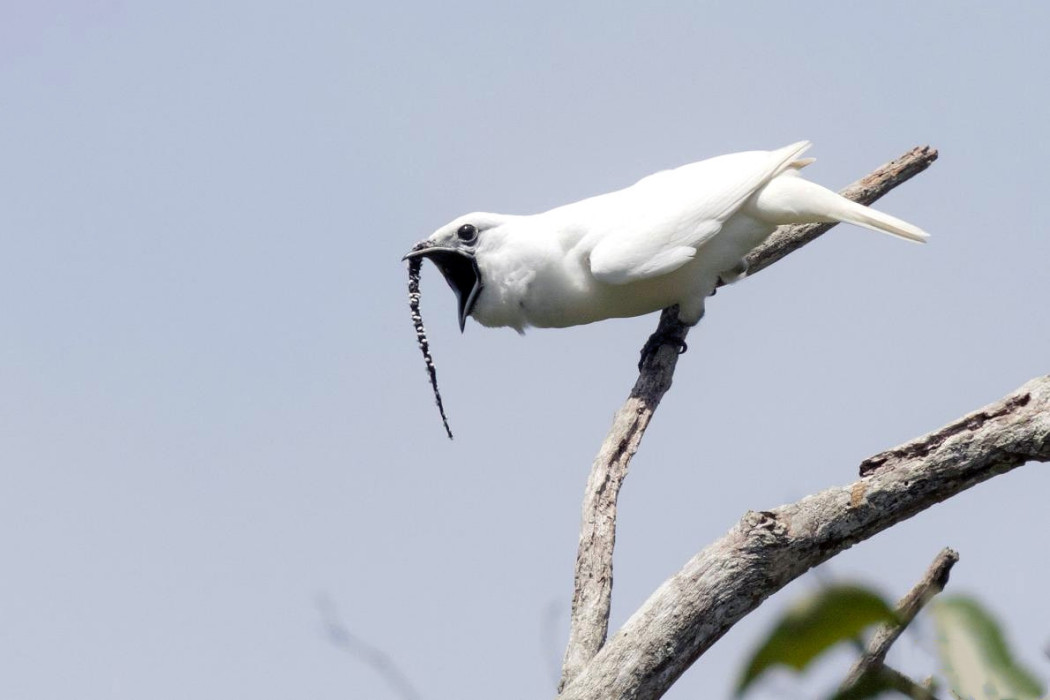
(212, 407)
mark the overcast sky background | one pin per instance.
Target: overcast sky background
(213, 410)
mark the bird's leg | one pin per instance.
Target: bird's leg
(671, 331)
(733, 274)
(656, 340)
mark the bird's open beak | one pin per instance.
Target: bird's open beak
(460, 270)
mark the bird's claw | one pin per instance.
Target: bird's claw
(658, 339)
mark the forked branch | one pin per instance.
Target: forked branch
(768, 549)
(908, 607)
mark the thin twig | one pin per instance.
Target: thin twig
(766, 550)
(341, 638)
(592, 589)
(932, 583)
(906, 685)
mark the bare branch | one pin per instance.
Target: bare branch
(341, 638)
(766, 550)
(592, 590)
(932, 583)
(906, 685)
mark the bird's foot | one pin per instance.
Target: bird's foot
(663, 336)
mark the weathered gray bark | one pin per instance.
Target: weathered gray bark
(768, 549)
(593, 579)
(908, 607)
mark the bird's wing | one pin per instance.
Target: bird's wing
(656, 225)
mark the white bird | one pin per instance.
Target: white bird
(667, 239)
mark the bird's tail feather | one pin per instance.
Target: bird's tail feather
(788, 199)
(854, 213)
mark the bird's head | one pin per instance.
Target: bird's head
(454, 248)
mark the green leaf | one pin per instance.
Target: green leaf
(814, 625)
(870, 685)
(974, 655)
(879, 681)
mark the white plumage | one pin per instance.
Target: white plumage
(667, 239)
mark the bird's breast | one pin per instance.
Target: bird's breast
(565, 293)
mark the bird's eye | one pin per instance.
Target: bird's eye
(467, 233)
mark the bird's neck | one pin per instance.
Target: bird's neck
(526, 267)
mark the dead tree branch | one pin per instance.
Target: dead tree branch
(592, 590)
(906, 685)
(764, 551)
(380, 662)
(932, 583)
